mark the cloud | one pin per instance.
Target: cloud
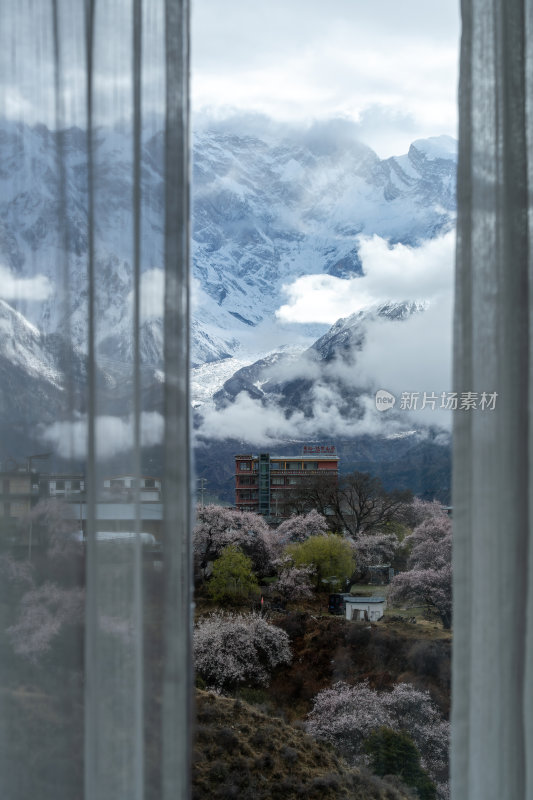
(114, 435)
(405, 357)
(394, 273)
(28, 71)
(408, 356)
(13, 288)
(291, 61)
(389, 67)
(257, 424)
(412, 357)
(152, 294)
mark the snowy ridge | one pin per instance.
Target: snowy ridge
(264, 214)
(22, 345)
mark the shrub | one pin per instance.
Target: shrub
(394, 753)
(331, 557)
(232, 576)
(426, 658)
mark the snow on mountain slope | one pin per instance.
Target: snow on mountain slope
(264, 213)
(315, 392)
(23, 346)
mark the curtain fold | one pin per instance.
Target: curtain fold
(491, 702)
(96, 678)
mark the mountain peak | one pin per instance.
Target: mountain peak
(436, 147)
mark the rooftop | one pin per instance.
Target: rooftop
(354, 599)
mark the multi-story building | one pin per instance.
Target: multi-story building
(122, 486)
(264, 482)
(62, 485)
(19, 492)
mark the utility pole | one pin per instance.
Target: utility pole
(202, 482)
(30, 459)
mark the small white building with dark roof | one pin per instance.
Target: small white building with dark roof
(370, 609)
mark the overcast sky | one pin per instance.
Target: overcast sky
(391, 66)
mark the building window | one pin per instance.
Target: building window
(278, 481)
(149, 483)
(310, 464)
(278, 465)
(60, 485)
(244, 466)
(295, 464)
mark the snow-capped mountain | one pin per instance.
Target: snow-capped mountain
(293, 397)
(266, 211)
(295, 380)
(264, 214)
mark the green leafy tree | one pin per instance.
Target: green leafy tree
(330, 556)
(232, 576)
(394, 753)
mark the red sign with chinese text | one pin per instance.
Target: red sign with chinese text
(319, 449)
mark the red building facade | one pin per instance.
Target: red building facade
(263, 482)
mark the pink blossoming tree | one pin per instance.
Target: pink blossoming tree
(236, 649)
(428, 579)
(294, 583)
(300, 527)
(44, 613)
(375, 549)
(346, 715)
(217, 527)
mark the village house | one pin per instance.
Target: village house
(370, 609)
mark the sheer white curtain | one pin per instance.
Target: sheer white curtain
(492, 713)
(95, 664)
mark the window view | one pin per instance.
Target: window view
(317, 408)
(324, 164)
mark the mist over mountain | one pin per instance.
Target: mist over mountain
(268, 211)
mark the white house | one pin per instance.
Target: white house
(364, 608)
(62, 485)
(123, 486)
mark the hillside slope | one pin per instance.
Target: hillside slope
(245, 754)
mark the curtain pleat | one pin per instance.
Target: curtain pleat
(491, 449)
(96, 677)
(178, 690)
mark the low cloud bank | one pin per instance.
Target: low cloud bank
(406, 357)
(38, 288)
(396, 274)
(114, 435)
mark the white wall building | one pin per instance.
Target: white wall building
(365, 608)
(150, 488)
(62, 485)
